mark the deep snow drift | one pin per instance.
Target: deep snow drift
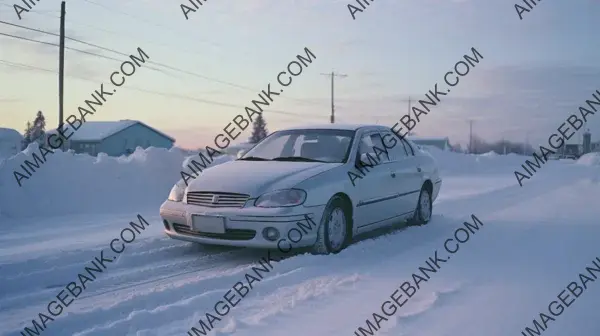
(590, 159)
(535, 240)
(69, 183)
(10, 142)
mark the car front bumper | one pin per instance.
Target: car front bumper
(244, 226)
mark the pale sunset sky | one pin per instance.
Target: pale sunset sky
(535, 72)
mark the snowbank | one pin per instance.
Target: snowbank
(589, 159)
(10, 142)
(465, 164)
(71, 183)
(490, 153)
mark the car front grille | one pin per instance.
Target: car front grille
(216, 199)
(230, 234)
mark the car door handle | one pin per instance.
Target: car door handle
(393, 174)
(419, 169)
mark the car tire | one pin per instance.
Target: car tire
(335, 218)
(422, 213)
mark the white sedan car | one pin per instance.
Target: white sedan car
(317, 186)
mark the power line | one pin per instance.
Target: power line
(146, 21)
(28, 39)
(75, 49)
(150, 62)
(153, 92)
(29, 28)
(210, 102)
(110, 32)
(12, 8)
(25, 66)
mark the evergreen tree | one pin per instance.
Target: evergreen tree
(36, 131)
(259, 129)
(27, 136)
(39, 128)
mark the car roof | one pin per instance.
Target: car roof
(349, 127)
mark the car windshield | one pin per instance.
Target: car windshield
(305, 145)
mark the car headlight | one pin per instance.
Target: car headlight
(281, 198)
(176, 194)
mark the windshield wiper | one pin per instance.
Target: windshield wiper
(296, 158)
(254, 158)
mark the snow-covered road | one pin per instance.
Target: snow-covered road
(535, 241)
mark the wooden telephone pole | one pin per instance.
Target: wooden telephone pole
(471, 150)
(61, 71)
(333, 75)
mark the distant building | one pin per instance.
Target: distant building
(10, 142)
(587, 142)
(571, 150)
(442, 143)
(588, 145)
(579, 149)
(115, 138)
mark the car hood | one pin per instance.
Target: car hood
(256, 177)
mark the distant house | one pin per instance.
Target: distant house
(442, 143)
(10, 142)
(572, 149)
(116, 138)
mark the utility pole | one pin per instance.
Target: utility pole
(61, 70)
(470, 136)
(333, 75)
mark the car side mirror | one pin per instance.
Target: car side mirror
(241, 153)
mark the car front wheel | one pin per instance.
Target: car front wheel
(334, 231)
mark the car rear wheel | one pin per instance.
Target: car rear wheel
(334, 231)
(423, 212)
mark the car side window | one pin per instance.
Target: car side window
(396, 152)
(365, 145)
(372, 143)
(380, 152)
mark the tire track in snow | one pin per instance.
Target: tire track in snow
(171, 292)
(170, 258)
(197, 265)
(258, 305)
(207, 283)
(75, 260)
(194, 308)
(102, 302)
(372, 253)
(47, 279)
